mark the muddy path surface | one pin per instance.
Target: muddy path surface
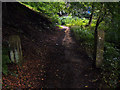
(67, 66)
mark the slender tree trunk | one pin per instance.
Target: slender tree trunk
(90, 20)
(95, 41)
(99, 20)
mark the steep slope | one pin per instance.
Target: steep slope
(34, 30)
(28, 24)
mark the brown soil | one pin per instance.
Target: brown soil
(68, 66)
(60, 64)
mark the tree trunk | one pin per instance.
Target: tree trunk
(100, 48)
(95, 41)
(90, 20)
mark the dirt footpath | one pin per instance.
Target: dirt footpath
(67, 66)
(53, 61)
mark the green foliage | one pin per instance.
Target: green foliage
(5, 60)
(113, 36)
(79, 9)
(111, 66)
(59, 26)
(85, 37)
(73, 21)
(50, 9)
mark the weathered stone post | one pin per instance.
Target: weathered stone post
(100, 48)
(15, 49)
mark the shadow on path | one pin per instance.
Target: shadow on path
(67, 66)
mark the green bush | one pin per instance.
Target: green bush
(111, 65)
(113, 36)
(83, 34)
(73, 21)
(5, 60)
(111, 62)
(85, 38)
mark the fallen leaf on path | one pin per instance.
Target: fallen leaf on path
(94, 80)
(86, 86)
(86, 75)
(42, 79)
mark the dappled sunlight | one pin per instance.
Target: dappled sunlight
(60, 45)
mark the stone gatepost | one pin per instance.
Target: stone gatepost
(15, 49)
(100, 48)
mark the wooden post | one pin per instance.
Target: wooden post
(15, 49)
(100, 48)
